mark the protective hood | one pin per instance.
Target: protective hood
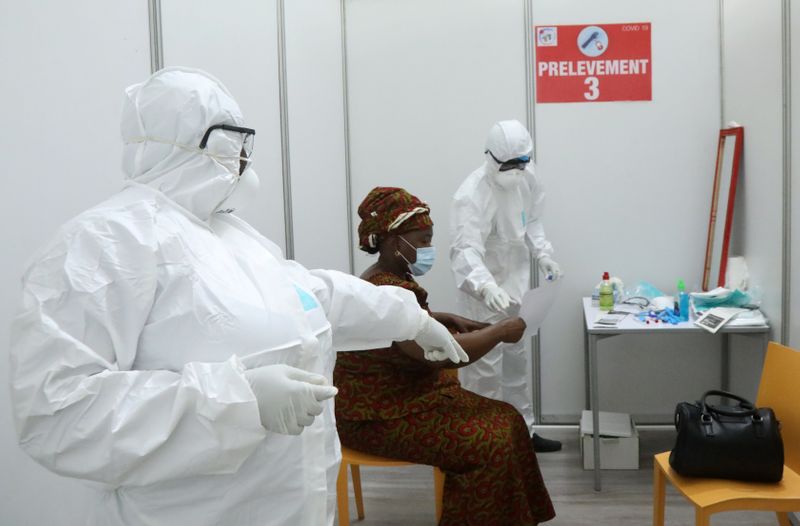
(164, 120)
(507, 140)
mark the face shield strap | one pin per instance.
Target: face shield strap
(188, 148)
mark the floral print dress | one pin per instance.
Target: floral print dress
(394, 406)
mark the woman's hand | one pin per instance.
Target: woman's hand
(458, 324)
(511, 329)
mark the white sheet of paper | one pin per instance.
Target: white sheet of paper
(536, 303)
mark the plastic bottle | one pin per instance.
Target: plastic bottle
(606, 294)
(683, 301)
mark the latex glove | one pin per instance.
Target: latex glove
(288, 398)
(549, 268)
(495, 297)
(438, 344)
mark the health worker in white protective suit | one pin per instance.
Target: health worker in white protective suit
(168, 353)
(495, 228)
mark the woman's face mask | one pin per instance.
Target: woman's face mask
(425, 259)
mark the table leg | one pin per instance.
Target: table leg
(726, 361)
(595, 401)
(586, 383)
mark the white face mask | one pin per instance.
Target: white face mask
(509, 179)
(244, 195)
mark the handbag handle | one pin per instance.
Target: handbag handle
(748, 408)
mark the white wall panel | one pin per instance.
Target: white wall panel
(752, 88)
(427, 81)
(794, 320)
(316, 131)
(628, 192)
(236, 41)
(65, 67)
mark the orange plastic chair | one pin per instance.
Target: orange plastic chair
(356, 459)
(777, 390)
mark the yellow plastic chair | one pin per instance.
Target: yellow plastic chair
(778, 390)
(356, 459)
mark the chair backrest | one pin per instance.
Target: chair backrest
(780, 390)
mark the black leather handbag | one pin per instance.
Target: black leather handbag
(738, 442)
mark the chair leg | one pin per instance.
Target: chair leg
(783, 518)
(658, 495)
(701, 517)
(355, 469)
(342, 498)
(438, 491)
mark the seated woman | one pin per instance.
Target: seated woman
(394, 403)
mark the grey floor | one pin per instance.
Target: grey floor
(404, 496)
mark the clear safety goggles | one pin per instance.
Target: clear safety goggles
(518, 163)
(249, 134)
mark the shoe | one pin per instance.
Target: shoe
(545, 445)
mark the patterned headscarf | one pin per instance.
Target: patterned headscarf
(389, 210)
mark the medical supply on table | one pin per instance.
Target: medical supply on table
(713, 319)
(662, 302)
(720, 297)
(611, 319)
(659, 316)
(737, 276)
(606, 294)
(683, 301)
(616, 285)
(646, 290)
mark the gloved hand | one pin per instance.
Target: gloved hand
(288, 398)
(438, 344)
(549, 268)
(495, 297)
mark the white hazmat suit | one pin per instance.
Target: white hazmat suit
(495, 227)
(148, 320)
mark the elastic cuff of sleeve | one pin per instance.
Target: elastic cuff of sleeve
(482, 288)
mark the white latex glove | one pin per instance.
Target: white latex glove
(288, 398)
(495, 297)
(438, 344)
(549, 268)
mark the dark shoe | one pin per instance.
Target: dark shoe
(545, 445)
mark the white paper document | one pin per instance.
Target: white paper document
(713, 319)
(536, 303)
(610, 319)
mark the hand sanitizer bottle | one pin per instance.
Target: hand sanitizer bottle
(683, 301)
(606, 294)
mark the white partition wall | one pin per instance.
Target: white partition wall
(753, 98)
(426, 81)
(794, 320)
(629, 193)
(65, 67)
(236, 41)
(316, 133)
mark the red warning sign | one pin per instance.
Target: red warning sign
(593, 63)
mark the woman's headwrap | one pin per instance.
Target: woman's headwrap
(388, 210)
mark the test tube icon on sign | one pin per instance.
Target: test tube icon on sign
(590, 39)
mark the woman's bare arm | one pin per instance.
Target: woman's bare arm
(476, 343)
